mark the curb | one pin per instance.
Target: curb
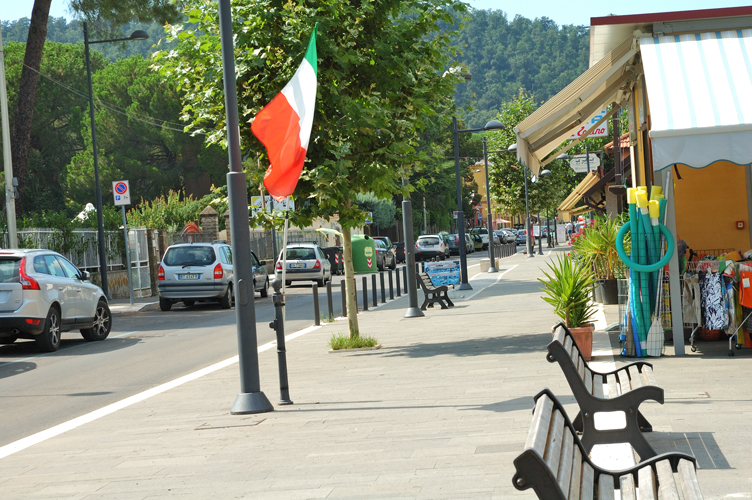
(152, 306)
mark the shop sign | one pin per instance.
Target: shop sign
(579, 163)
(601, 131)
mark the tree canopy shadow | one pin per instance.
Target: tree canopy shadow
(506, 344)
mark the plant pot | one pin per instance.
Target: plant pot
(597, 292)
(583, 336)
(609, 291)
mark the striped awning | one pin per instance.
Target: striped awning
(700, 92)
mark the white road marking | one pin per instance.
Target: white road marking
(61, 350)
(44, 435)
(501, 275)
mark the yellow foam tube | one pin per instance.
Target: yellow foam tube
(655, 191)
(654, 207)
(642, 198)
(631, 192)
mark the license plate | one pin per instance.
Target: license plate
(189, 276)
(297, 266)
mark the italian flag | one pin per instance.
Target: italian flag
(284, 126)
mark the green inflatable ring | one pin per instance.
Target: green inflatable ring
(644, 268)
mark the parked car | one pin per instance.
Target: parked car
(385, 257)
(390, 247)
(399, 251)
(445, 236)
(42, 294)
(454, 244)
(429, 246)
(305, 262)
(469, 244)
(521, 237)
(505, 235)
(191, 272)
(483, 233)
(478, 241)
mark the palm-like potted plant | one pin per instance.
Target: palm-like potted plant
(597, 248)
(568, 287)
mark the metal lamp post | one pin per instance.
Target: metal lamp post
(543, 173)
(136, 35)
(528, 223)
(492, 125)
(413, 311)
(491, 254)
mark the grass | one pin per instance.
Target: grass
(326, 319)
(343, 342)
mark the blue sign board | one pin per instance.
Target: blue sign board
(443, 273)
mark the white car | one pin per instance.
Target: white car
(430, 246)
(305, 262)
(42, 295)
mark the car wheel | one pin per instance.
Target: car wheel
(49, 339)
(226, 301)
(165, 304)
(189, 303)
(288, 283)
(321, 283)
(265, 291)
(394, 265)
(102, 323)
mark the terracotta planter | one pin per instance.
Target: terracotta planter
(583, 336)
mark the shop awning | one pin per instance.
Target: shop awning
(549, 126)
(700, 92)
(566, 208)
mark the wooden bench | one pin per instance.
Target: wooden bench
(622, 390)
(433, 294)
(555, 464)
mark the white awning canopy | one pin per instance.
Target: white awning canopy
(549, 126)
(700, 92)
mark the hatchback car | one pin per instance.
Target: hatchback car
(42, 294)
(305, 262)
(191, 272)
(385, 257)
(430, 247)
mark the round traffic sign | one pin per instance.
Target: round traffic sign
(121, 188)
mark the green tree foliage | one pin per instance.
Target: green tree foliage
(173, 211)
(503, 56)
(383, 210)
(139, 137)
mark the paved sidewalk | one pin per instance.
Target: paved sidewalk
(123, 306)
(439, 412)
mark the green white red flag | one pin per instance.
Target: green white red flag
(284, 126)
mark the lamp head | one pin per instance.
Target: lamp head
(494, 125)
(544, 173)
(139, 35)
(563, 156)
(512, 148)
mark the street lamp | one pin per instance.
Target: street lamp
(528, 223)
(492, 125)
(491, 254)
(544, 173)
(136, 35)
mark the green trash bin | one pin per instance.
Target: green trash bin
(364, 254)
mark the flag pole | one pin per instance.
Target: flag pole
(284, 245)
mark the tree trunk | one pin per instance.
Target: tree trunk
(21, 134)
(352, 301)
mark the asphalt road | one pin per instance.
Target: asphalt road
(144, 350)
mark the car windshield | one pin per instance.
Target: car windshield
(190, 256)
(9, 270)
(301, 253)
(428, 241)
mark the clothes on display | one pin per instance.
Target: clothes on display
(712, 301)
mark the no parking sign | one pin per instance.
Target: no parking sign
(122, 193)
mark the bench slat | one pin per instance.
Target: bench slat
(568, 346)
(588, 381)
(564, 474)
(613, 390)
(605, 487)
(635, 377)
(627, 487)
(555, 440)
(574, 353)
(559, 335)
(588, 478)
(623, 381)
(598, 386)
(666, 485)
(648, 377)
(581, 367)
(536, 438)
(688, 481)
(574, 486)
(646, 480)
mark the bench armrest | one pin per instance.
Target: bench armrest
(638, 364)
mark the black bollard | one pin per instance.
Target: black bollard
(391, 286)
(383, 292)
(399, 293)
(278, 325)
(343, 293)
(404, 279)
(375, 291)
(316, 314)
(329, 303)
(365, 293)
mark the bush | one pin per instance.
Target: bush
(174, 211)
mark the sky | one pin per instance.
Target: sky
(561, 11)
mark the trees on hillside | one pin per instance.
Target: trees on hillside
(379, 83)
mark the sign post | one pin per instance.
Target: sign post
(122, 194)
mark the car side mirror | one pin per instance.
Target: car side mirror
(85, 275)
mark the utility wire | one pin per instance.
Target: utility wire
(149, 120)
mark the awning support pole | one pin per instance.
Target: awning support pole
(674, 284)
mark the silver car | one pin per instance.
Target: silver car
(42, 295)
(305, 262)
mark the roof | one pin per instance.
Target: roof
(624, 144)
(607, 32)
